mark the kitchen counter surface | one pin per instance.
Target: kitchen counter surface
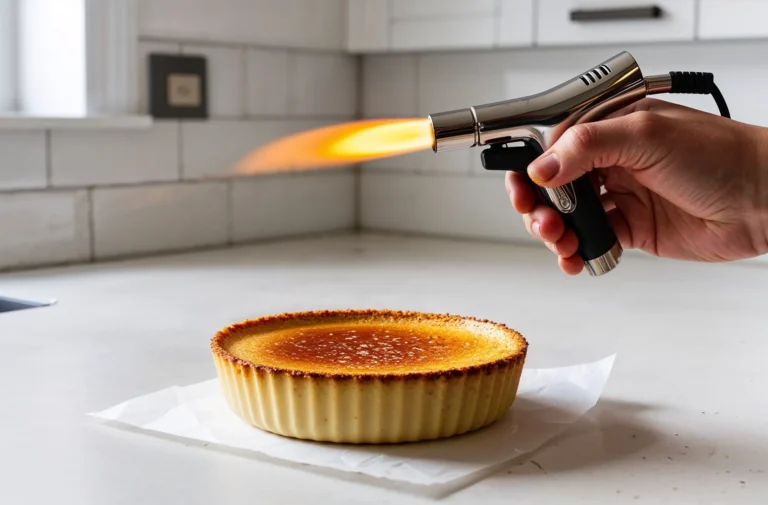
(684, 418)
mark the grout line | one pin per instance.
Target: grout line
(290, 71)
(357, 170)
(180, 150)
(230, 213)
(696, 20)
(168, 182)
(91, 226)
(190, 41)
(245, 94)
(48, 160)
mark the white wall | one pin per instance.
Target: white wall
(450, 193)
(78, 195)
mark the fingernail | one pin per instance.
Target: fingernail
(544, 169)
(535, 227)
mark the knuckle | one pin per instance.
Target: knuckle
(645, 125)
(581, 137)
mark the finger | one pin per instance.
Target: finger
(521, 194)
(568, 245)
(646, 104)
(545, 223)
(609, 203)
(572, 266)
(630, 141)
(621, 228)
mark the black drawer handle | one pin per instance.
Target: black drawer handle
(650, 12)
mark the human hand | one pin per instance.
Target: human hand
(679, 183)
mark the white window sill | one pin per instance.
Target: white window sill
(19, 122)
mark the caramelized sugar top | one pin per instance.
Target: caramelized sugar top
(371, 347)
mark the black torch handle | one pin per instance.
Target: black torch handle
(577, 202)
(582, 211)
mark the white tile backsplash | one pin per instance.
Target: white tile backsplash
(389, 85)
(22, 160)
(86, 158)
(226, 78)
(40, 228)
(268, 81)
(275, 206)
(323, 85)
(163, 217)
(447, 205)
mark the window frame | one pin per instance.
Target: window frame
(110, 52)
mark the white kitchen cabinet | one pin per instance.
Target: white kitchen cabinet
(368, 26)
(733, 19)
(556, 26)
(463, 32)
(435, 9)
(515, 23)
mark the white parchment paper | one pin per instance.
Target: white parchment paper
(548, 401)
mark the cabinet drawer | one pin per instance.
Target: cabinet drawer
(460, 33)
(435, 9)
(563, 22)
(733, 19)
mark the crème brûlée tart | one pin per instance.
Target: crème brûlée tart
(369, 376)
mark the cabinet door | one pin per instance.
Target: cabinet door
(566, 22)
(733, 19)
(515, 23)
(468, 32)
(435, 9)
(367, 26)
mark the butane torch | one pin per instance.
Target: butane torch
(519, 130)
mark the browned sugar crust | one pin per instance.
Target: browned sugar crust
(333, 356)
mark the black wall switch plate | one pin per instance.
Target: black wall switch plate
(178, 86)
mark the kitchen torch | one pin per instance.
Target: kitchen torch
(519, 130)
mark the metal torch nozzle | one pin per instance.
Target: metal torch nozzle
(455, 129)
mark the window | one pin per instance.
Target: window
(67, 58)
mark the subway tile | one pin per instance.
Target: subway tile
(448, 162)
(226, 78)
(267, 82)
(275, 206)
(41, 228)
(455, 206)
(161, 217)
(22, 160)
(323, 85)
(145, 49)
(214, 148)
(85, 157)
(455, 80)
(389, 86)
(412, 162)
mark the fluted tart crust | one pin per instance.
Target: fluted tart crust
(369, 376)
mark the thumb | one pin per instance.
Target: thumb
(625, 141)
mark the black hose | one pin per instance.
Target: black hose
(699, 83)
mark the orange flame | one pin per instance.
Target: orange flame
(339, 145)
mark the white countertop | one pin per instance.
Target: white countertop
(684, 418)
